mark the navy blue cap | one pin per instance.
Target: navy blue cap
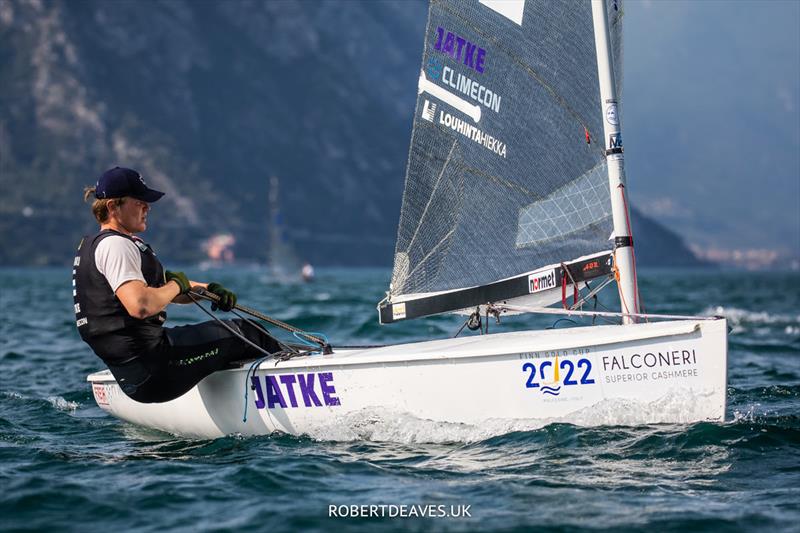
(118, 182)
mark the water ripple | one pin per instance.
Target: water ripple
(64, 462)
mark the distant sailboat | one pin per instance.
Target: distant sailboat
(283, 264)
(307, 272)
(514, 183)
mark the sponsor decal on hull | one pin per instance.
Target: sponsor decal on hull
(100, 396)
(556, 372)
(562, 373)
(648, 366)
(295, 390)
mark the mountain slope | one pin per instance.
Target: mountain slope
(208, 100)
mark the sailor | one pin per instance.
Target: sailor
(121, 291)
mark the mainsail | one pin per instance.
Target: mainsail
(507, 168)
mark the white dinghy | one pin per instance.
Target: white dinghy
(508, 207)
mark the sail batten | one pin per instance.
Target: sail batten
(500, 179)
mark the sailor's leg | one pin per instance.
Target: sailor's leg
(190, 353)
(185, 339)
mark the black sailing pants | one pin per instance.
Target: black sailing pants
(187, 354)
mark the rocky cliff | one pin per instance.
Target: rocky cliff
(208, 100)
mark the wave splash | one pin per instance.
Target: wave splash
(384, 425)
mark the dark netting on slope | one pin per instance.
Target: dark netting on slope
(500, 178)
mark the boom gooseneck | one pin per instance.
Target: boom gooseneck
(623, 240)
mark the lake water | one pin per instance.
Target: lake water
(66, 465)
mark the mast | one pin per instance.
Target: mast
(274, 217)
(623, 241)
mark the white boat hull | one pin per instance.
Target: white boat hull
(667, 372)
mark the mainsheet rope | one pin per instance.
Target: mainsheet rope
(287, 353)
(323, 344)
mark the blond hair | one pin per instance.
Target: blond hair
(100, 205)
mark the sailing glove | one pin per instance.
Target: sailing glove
(179, 278)
(227, 299)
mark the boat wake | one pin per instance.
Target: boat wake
(741, 320)
(59, 403)
(383, 425)
(62, 404)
